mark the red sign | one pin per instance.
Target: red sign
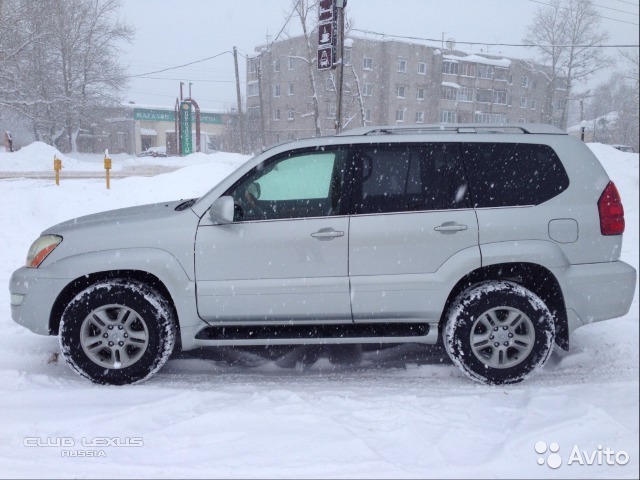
(325, 34)
(325, 10)
(325, 58)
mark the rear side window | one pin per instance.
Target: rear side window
(509, 174)
(405, 178)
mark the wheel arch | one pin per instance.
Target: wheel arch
(533, 277)
(79, 284)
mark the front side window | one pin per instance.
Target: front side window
(408, 178)
(298, 185)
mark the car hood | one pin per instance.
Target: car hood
(119, 217)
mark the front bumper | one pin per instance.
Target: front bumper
(39, 292)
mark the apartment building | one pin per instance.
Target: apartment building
(390, 82)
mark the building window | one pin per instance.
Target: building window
(367, 89)
(291, 89)
(524, 81)
(367, 115)
(402, 65)
(276, 66)
(367, 63)
(399, 115)
(419, 117)
(276, 90)
(485, 71)
(483, 95)
(498, 118)
(522, 120)
(329, 86)
(482, 117)
(534, 104)
(501, 74)
(276, 114)
(500, 96)
(290, 115)
(332, 110)
(534, 84)
(449, 93)
(420, 93)
(559, 104)
(523, 102)
(252, 89)
(465, 94)
(447, 116)
(468, 69)
(400, 91)
(252, 66)
(450, 68)
(291, 63)
(347, 56)
(422, 68)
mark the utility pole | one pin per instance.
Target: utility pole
(240, 118)
(340, 4)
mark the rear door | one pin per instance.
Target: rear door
(411, 214)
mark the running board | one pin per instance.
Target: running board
(317, 334)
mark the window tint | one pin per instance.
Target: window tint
(295, 186)
(505, 174)
(409, 178)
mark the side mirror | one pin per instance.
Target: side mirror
(221, 211)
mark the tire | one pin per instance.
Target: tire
(117, 332)
(499, 332)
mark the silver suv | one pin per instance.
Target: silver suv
(496, 241)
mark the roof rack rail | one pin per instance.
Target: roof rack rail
(526, 128)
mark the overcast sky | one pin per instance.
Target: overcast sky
(175, 32)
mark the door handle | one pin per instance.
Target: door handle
(450, 227)
(327, 234)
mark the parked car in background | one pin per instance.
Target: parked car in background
(495, 241)
(623, 148)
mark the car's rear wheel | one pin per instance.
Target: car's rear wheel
(499, 332)
(117, 332)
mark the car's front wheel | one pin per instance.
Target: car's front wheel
(117, 332)
(499, 332)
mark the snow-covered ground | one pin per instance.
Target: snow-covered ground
(400, 413)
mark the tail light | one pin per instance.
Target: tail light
(611, 211)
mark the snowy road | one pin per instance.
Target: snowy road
(400, 413)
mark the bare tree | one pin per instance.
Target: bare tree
(567, 34)
(307, 13)
(62, 64)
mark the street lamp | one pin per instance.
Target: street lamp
(583, 125)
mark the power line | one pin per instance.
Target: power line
(179, 66)
(597, 14)
(615, 9)
(439, 40)
(628, 3)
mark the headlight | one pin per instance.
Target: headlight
(41, 248)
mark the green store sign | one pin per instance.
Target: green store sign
(153, 115)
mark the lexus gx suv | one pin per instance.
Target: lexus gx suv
(495, 241)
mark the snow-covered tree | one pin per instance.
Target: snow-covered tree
(567, 34)
(62, 63)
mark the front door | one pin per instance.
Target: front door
(284, 258)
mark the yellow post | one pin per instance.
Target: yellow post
(57, 166)
(107, 167)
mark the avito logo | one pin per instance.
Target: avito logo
(600, 456)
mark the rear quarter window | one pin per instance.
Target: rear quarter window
(509, 174)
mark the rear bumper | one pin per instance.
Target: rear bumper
(597, 291)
